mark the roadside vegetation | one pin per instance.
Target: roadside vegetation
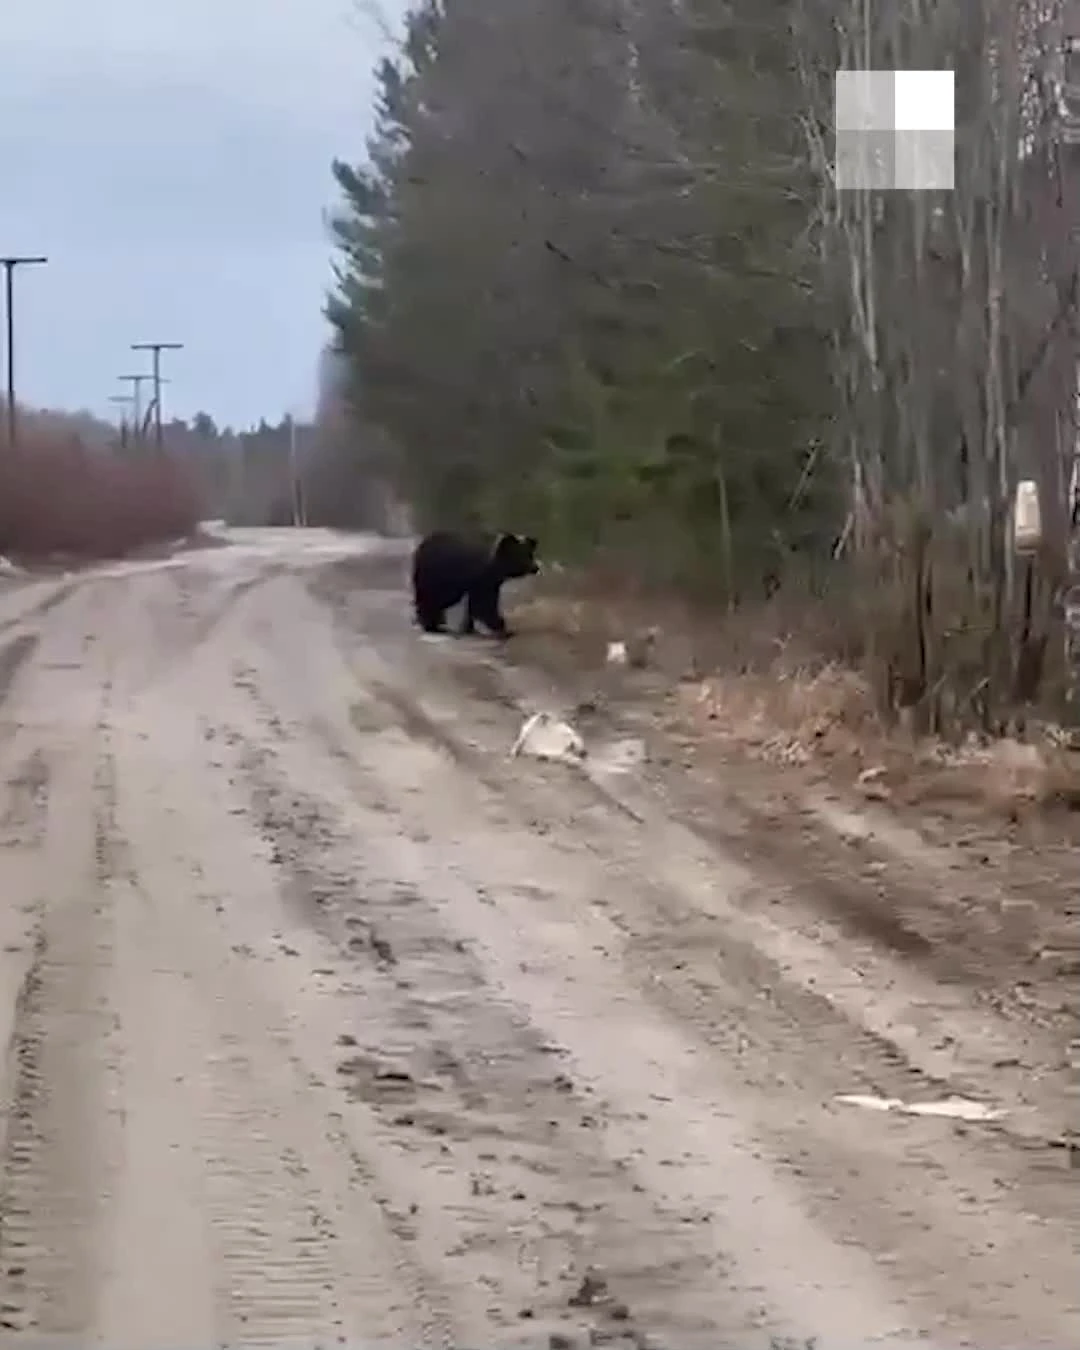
(66, 494)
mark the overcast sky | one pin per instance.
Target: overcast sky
(172, 159)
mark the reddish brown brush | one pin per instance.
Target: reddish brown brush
(60, 496)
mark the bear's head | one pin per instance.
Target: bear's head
(515, 556)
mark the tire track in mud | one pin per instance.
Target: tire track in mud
(302, 1246)
(230, 593)
(275, 1227)
(273, 1272)
(474, 1092)
(22, 817)
(435, 1106)
(277, 1218)
(282, 1206)
(19, 1148)
(55, 1166)
(34, 613)
(13, 657)
(184, 608)
(30, 822)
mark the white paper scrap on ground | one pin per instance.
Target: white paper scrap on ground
(951, 1108)
(617, 654)
(545, 736)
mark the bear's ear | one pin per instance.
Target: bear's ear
(531, 543)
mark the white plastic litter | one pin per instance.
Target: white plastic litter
(952, 1108)
(545, 736)
(616, 654)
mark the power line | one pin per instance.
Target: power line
(9, 264)
(156, 348)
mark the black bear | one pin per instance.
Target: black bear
(447, 568)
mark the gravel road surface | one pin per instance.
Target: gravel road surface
(322, 1019)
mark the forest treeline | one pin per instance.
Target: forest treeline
(594, 279)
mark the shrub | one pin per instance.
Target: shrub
(60, 496)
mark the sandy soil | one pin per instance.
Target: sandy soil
(322, 1018)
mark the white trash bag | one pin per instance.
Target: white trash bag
(545, 736)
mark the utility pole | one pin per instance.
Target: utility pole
(151, 409)
(9, 264)
(127, 400)
(156, 348)
(136, 397)
(298, 508)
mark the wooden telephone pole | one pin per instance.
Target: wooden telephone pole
(155, 349)
(9, 264)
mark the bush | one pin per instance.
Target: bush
(59, 496)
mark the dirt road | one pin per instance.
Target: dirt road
(323, 1020)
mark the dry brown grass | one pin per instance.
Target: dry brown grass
(827, 717)
(61, 497)
(757, 685)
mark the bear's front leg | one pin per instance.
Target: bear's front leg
(492, 619)
(483, 608)
(431, 619)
